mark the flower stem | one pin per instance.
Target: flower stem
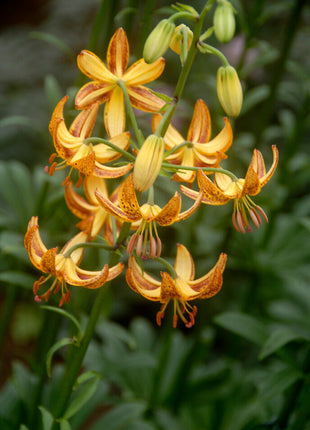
(130, 112)
(204, 169)
(111, 145)
(73, 366)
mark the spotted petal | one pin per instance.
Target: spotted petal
(170, 212)
(142, 98)
(118, 53)
(211, 192)
(200, 127)
(143, 284)
(73, 275)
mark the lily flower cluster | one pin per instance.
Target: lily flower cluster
(124, 211)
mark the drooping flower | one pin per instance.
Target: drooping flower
(144, 218)
(224, 189)
(180, 288)
(94, 217)
(87, 158)
(199, 151)
(104, 85)
(63, 268)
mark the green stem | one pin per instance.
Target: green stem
(111, 145)
(204, 169)
(167, 265)
(131, 114)
(167, 117)
(88, 245)
(211, 50)
(73, 366)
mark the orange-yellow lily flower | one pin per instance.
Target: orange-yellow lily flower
(180, 288)
(87, 158)
(200, 151)
(225, 189)
(144, 218)
(62, 267)
(94, 216)
(104, 85)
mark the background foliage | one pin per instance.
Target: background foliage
(245, 364)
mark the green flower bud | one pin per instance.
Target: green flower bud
(148, 163)
(158, 41)
(224, 22)
(229, 90)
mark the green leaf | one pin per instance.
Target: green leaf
(254, 97)
(120, 416)
(19, 120)
(277, 339)
(62, 342)
(64, 425)
(276, 383)
(18, 278)
(47, 418)
(85, 394)
(243, 325)
(23, 427)
(86, 376)
(68, 315)
(53, 40)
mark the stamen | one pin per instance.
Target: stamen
(255, 217)
(131, 244)
(175, 321)
(152, 250)
(52, 158)
(139, 245)
(38, 299)
(261, 210)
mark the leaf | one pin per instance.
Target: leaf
(18, 278)
(68, 315)
(53, 40)
(23, 427)
(243, 325)
(21, 120)
(62, 342)
(277, 340)
(120, 416)
(85, 394)
(52, 90)
(64, 425)
(254, 97)
(276, 383)
(47, 418)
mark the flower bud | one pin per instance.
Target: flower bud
(148, 163)
(224, 22)
(177, 38)
(158, 41)
(229, 90)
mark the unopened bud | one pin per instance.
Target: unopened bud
(178, 38)
(224, 22)
(148, 163)
(158, 41)
(229, 90)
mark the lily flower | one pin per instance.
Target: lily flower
(63, 268)
(145, 217)
(198, 150)
(224, 189)
(104, 85)
(181, 288)
(94, 217)
(71, 147)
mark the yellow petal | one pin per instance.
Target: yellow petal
(252, 184)
(170, 212)
(200, 128)
(143, 284)
(102, 171)
(73, 275)
(168, 289)
(93, 92)
(48, 261)
(221, 142)
(128, 200)
(188, 161)
(186, 214)
(91, 183)
(113, 209)
(77, 254)
(84, 123)
(83, 160)
(94, 68)
(77, 204)
(33, 243)
(118, 53)
(141, 73)
(172, 136)
(211, 192)
(104, 153)
(115, 271)
(142, 98)
(114, 113)
(184, 264)
(57, 114)
(265, 178)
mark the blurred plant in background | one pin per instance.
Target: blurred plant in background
(245, 363)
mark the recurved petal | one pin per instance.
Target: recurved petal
(84, 123)
(113, 209)
(118, 53)
(252, 185)
(168, 289)
(77, 204)
(211, 192)
(220, 143)
(186, 214)
(168, 215)
(83, 160)
(210, 284)
(142, 98)
(143, 284)
(128, 200)
(77, 254)
(94, 68)
(102, 171)
(141, 73)
(91, 183)
(265, 178)
(114, 113)
(200, 127)
(33, 243)
(115, 271)
(184, 264)
(104, 153)
(73, 275)
(93, 92)
(188, 161)
(57, 114)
